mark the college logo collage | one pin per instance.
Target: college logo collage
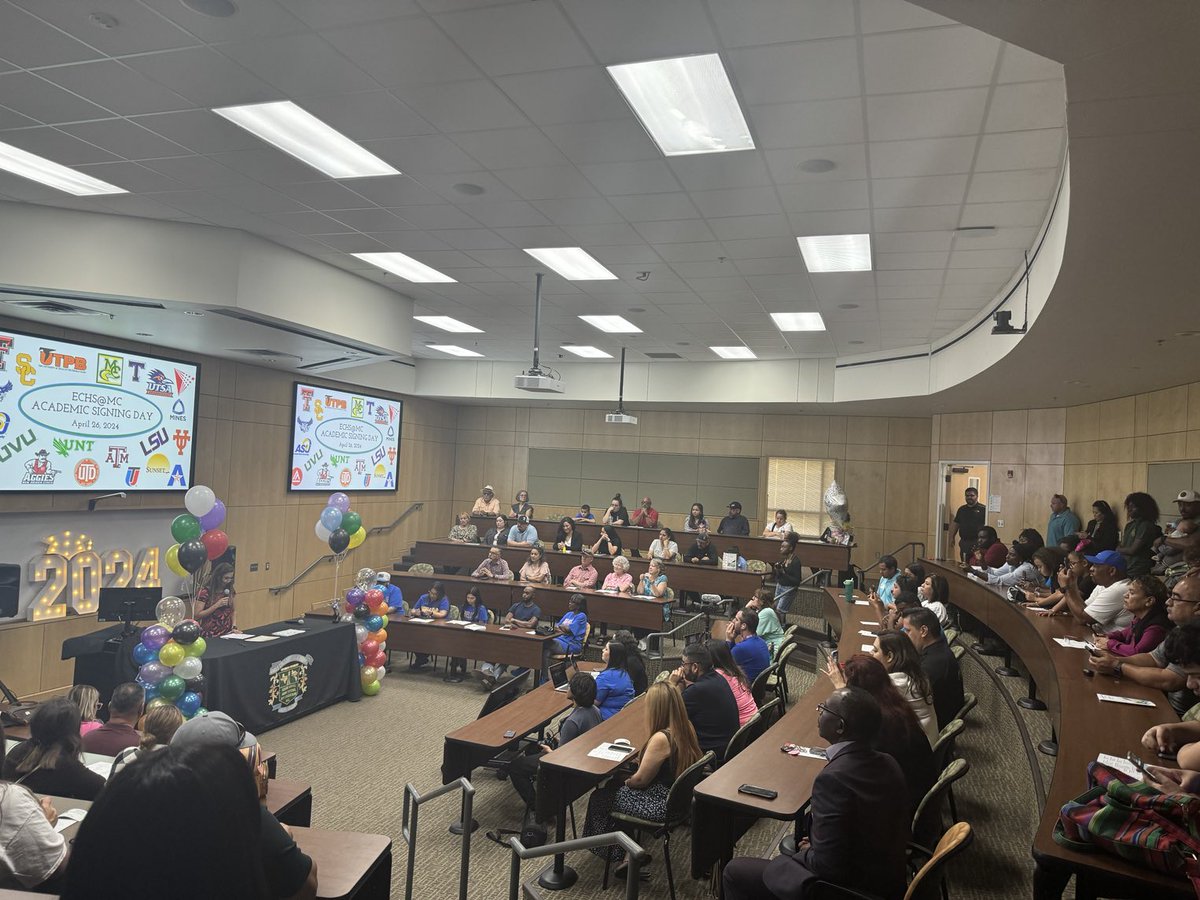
(313, 463)
(84, 457)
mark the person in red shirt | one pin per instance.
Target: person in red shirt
(989, 551)
(120, 732)
(645, 516)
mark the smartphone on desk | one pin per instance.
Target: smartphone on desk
(754, 790)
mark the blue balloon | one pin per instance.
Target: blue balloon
(143, 654)
(151, 692)
(189, 703)
(331, 518)
(362, 660)
(374, 623)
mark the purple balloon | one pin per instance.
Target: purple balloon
(153, 672)
(155, 636)
(355, 596)
(338, 500)
(213, 517)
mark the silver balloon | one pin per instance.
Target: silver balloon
(171, 611)
(364, 577)
(360, 634)
(189, 667)
(380, 672)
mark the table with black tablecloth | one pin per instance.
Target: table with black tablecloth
(260, 684)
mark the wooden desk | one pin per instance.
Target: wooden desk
(720, 815)
(1085, 728)
(514, 647)
(477, 742)
(568, 773)
(681, 576)
(289, 801)
(348, 864)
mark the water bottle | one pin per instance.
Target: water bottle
(848, 584)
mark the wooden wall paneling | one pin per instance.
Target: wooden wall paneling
(22, 652)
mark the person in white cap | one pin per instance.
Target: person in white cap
(391, 593)
(1184, 534)
(488, 504)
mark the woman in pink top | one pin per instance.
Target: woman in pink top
(728, 669)
(619, 579)
(1146, 598)
(87, 698)
(536, 569)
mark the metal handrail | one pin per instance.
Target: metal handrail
(637, 858)
(671, 634)
(378, 529)
(913, 558)
(408, 829)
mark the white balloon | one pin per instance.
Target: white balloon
(360, 634)
(199, 500)
(383, 647)
(322, 532)
(189, 667)
(380, 672)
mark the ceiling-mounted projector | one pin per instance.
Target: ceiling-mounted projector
(535, 378)
(619, 418)
(538, 382)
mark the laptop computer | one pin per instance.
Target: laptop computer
(561, 674)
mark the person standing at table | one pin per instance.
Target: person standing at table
(749, 650)
(1141, 531)
(734, 523)
(125, 707)
(215, 603)
(568, 539)
(695, 520)
(857, 814)
(522, 534)
(645, 516)
(709, 702)
(583, 576)
(522, 506)
(494, 568)
(937, 662)
(969, 518)
(31, 851)
(789, 572)
(616, 514)
(50, 762)
(535, 569)
(433, 605)
(392, 595)
(1063, 522)
(488, 504)
(779, 527)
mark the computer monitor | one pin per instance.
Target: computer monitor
(504, 694)
(10, 588)
(128, 604)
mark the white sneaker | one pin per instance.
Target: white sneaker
(488, 669)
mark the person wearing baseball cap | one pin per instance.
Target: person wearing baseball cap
(1105, 606)
(735, 522)
(391, 593)
(488, 504)
(290, 873)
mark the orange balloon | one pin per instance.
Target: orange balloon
(378, 636)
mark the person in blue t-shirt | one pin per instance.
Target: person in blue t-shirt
(434, 605)
(391, 593)
(522, 534)
(889, 570)
(525, 614)
(585, 514)
(473, 611)
(749, 650)
(570, 632)
(614, 685)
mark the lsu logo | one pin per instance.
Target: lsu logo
(110, 369)
(25, 371)
(177, 478)
(157, 384)
(304, 447)
(152, 443)
(87, 472)
(131, 475)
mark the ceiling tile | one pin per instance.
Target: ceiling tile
(991, 187)
(1019, 64)
(300, 65)
(782, 265)
(307, 222)
(931, 191)
(57, 146)
(744, 23)
(810, 124)
(648, 177)
(814, 70)
(369, 115)
(472, 239)
(1018, 107)
(261, 18)
(565, 95)
(1021, 150)
(327, 194)
(916, 218)
(918, 276)
(601, 142)
(390, 190)
(607, 234)
(422, 154)
(510, 148)
(744, 168)
(1023, 213)
(257, 198)
(125, 139)
(928, 114)
(912, 242)
(1002, 238)
(679, 232)
(744, 227)
(656, 207)
(195, 171)
(935, 156)
(547, 183)
(814, 196)
(760, 248)
(45, 102)
(992, 277)
(629, 255)
(850, 160)
(268, 165)
(525, 37)
(113, 86)
(910, 260)
(978, 259)
(28, 42)
(11, 119)
(737, 202)
(403, 52)
(199, 130)
(896, 15)
(463, 106)
(444, 184)
(621, 31)
(928, 60)
(368, 219)
(499, 213)
(848, 221)
(129, 175)
(203, 76)
(700, 251)
(322, 14)
(578, 211)
(436, 216)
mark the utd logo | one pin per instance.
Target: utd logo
(87, 472)
(344, 478)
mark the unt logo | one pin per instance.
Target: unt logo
(66, 446)
(55, 360)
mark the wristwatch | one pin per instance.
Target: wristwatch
(1117, 669)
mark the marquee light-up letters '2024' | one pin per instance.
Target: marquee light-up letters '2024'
(71, 572)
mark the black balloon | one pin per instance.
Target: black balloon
(193, 555)
(338, 541)
(186, 632)
(362, 612)
(196, 684)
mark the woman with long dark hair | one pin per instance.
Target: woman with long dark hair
(1101, 532)
(903, 664)
(695, 520)
(41, 852)
(50, 762)
(614, 684)
(215, 602)
(568, 538)
(789, 572)
(635, 663)
(1146, 598)
(728, 669)
(608, 543)
(1141, 530)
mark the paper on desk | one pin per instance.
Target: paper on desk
(474, 627)
(1121, 764)
(1073, 643)
(867, 622)
(69, 817)
(236, 636)
(869, 634)
(456, 621)
(101, 768)
(421, 621)
(606, 751)
(810, 752)
(861, 603)
(261, 638)
(1132, 701)
(288, 632)
(867, 648)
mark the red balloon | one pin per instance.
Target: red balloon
(369, 648)
(215, 542)
(379, 659)
(348, 606)
(374, 597)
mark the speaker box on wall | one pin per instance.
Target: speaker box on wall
(10, 587)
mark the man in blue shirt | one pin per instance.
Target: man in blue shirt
(889, 569)
(522, 534)
(585, 514)
(391, 593)
(522, 614)
(436, 606)
(1063, 522)
(749, 650)
(569, 633)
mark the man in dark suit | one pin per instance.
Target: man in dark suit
(938, 663)
(710, 705)
(859, 821)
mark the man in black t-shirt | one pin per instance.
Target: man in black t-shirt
(971, 516)
(710, 704)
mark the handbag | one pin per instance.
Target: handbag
(1134, 821)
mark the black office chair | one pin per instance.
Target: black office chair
(762, 684)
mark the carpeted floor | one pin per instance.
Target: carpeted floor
(359, 756)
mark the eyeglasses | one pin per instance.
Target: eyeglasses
(822, 708)
(1176, 598)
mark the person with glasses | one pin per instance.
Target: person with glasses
(1182, 649)
(1106, 605)
(711, 708)
(1154, 669)
(859, 825)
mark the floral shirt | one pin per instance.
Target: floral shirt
(467, 534)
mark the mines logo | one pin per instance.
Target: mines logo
(158, 384)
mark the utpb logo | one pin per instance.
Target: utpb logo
(51, 358)
(110, 369)
(87, 472)
(177, 477)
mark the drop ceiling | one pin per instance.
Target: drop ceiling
(933, 127)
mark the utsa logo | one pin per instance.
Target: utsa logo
(158, 383)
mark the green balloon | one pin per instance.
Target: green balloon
(196, 647)
(369, 689)
(351, 521)
(186, 527)
(172, 688)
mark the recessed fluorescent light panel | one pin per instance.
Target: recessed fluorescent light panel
(406, 267)
(304, 136)
(687, 104)
(612, 324)
(836, 252)
(734, 352)
(51, 174)
(448, 324)
(572, 263)
(802, 321)
(453, 349)
(587, 352)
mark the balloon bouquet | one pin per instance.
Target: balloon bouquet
(341, 528)
(171, 671)
(198, 535)
(369, 608)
